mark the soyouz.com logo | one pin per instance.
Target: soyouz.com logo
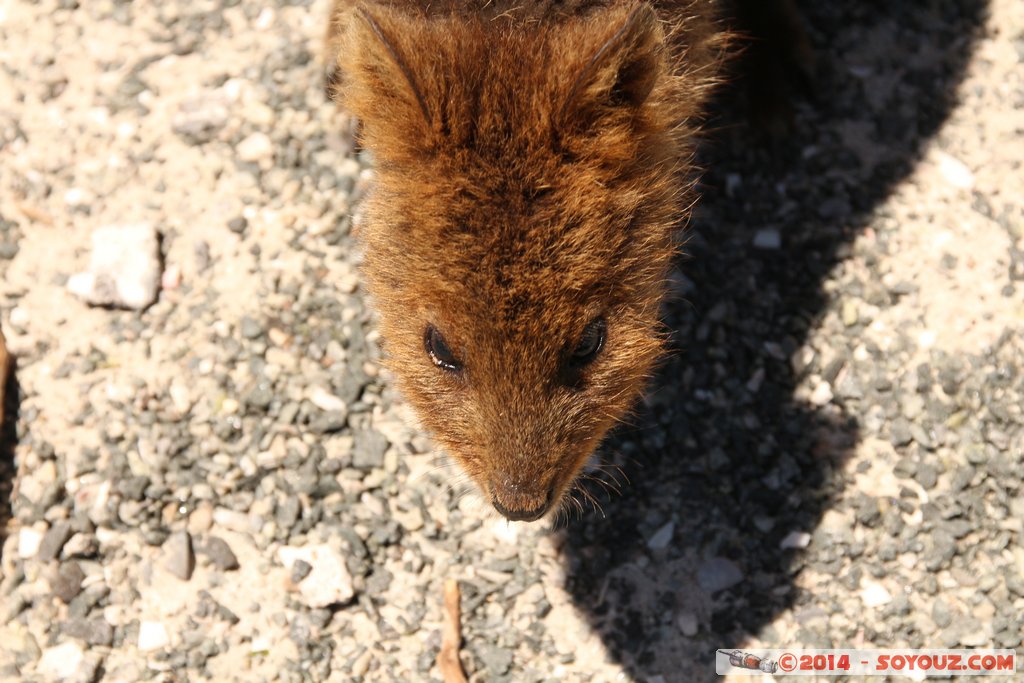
(899, 662)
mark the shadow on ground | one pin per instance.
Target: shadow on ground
(8, 438)
(722, 448)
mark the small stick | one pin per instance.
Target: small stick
(451, 636)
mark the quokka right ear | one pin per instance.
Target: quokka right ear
(623, 67)
(377, 81)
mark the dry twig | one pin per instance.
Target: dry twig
(451, 636)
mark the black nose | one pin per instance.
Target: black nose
(522, 500)
(522, 515)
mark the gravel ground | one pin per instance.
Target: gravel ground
(225, 487)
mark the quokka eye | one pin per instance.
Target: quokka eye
(590, 344)
(438, 350)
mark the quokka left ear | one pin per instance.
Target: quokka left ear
(623, 67)
(378, 81)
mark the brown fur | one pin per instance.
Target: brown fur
(533, 163)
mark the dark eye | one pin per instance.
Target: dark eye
(437, 349)
(590, 344)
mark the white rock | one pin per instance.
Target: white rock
(328, 583)
(28, 542)
(61, 662)
(256, 147)
(180, 397)
(124, 269)
(92, 499)
(19, 317)
(153, 636)
(232, 520)
(662, 537)
(326, 401)
(874, 594)
(504, 531)
(76, 196)
(260, 646)
(796, 539)
(687, 623)
(822, 394)
(955, 172)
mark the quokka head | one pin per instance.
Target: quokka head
(531, 173)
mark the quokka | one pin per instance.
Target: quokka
(533, 168)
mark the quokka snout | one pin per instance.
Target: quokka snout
(533, 163)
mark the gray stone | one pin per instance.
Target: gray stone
(768, 238)
(220, 554)
(68, 583)
(899, 432)
(92, 631)
(238, 224)
(497, 660)
(250, 328)
(199, 118)
(717, 574)
(328, 422)
(53, 541)
(368, 450)
(180, 559)
(300, 570)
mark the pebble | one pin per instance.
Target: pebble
(250, 328)
(53, 541)
(822, 394)
(941, 614)
(329, 422)
(768, 239)
(231, 520)
(93, 631)
(795, 539)
(300, 570)
(238, 224)
(68, 582)
(496, 659)
(368, 450)
(81, 545)
(662, 537)
(717, 574)
(326, 401)
(955, 172)
(687, 623)
(255, 148)
(328, 582)
(200, 117)
(220, 554)
(124, 267)
(29, 541)
(153, 636)
(179, 558)
(874, 594)
(66, 663)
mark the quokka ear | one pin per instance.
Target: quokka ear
(624, 67)
(378, 83)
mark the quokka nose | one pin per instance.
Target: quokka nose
(518, 505)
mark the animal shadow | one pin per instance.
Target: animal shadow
(723, 460)
(8, 439)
